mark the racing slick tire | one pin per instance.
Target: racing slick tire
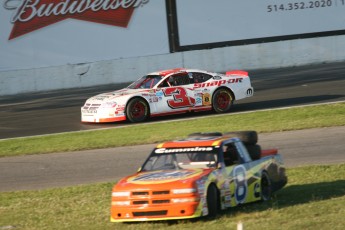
(222, 100)
(212, 201)
(266, 187)
(211, 134)
(247, 137)
(137, 110)
(254, 151)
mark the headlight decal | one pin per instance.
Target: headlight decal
(120, 194)
(183, 191)
(109, 104)
(121, 203)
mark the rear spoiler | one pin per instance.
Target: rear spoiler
(269, 152)
(237, 72)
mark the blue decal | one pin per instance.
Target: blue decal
(241, 187)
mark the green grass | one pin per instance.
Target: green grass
(263, 121)
(313, 199)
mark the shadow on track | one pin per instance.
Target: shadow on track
(284, 102)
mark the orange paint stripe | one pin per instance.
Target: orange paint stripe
(192, 143)
(237, 72)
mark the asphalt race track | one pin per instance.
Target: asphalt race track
(59, 111)
(304, 147)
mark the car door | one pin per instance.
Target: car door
(243, 181)
(176, 94)
(201, 90)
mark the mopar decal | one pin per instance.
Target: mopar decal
(249, 91)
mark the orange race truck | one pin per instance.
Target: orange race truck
(198, 176)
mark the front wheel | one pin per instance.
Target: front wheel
(222, 100)
(137, 110)
(212, 201)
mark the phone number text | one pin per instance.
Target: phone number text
(304, 5)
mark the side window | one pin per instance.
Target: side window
(179, 79)
(243, 154)
(200, 77)
(230, 154)
(235, 153)
(164, 84)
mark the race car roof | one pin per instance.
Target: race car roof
(211, 141)
(171, 71)
(176, 70)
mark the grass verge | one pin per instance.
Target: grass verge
(262, 121)
(313, 199)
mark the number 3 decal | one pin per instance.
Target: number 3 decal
(241, 186)
(181, 99)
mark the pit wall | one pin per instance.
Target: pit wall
(256, 56)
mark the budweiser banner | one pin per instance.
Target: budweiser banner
(39, 33)
(30, 15)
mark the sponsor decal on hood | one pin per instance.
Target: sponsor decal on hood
(112, 95)
(165, 176)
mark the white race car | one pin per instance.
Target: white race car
(169, 92)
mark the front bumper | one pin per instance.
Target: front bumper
(95, 119)
(102, 115)
(134, 213)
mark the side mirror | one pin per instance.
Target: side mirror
(219, 165)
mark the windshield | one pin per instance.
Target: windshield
(146, 82)
(183, 160)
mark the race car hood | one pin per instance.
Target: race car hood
(168, 178)
(111, 96)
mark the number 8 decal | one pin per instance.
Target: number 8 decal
(241, 187)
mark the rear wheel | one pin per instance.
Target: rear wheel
(266, 187)
(137, 110)
(222, 100)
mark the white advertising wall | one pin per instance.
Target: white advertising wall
(59, 44)
(44, 33)
(204, 21)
